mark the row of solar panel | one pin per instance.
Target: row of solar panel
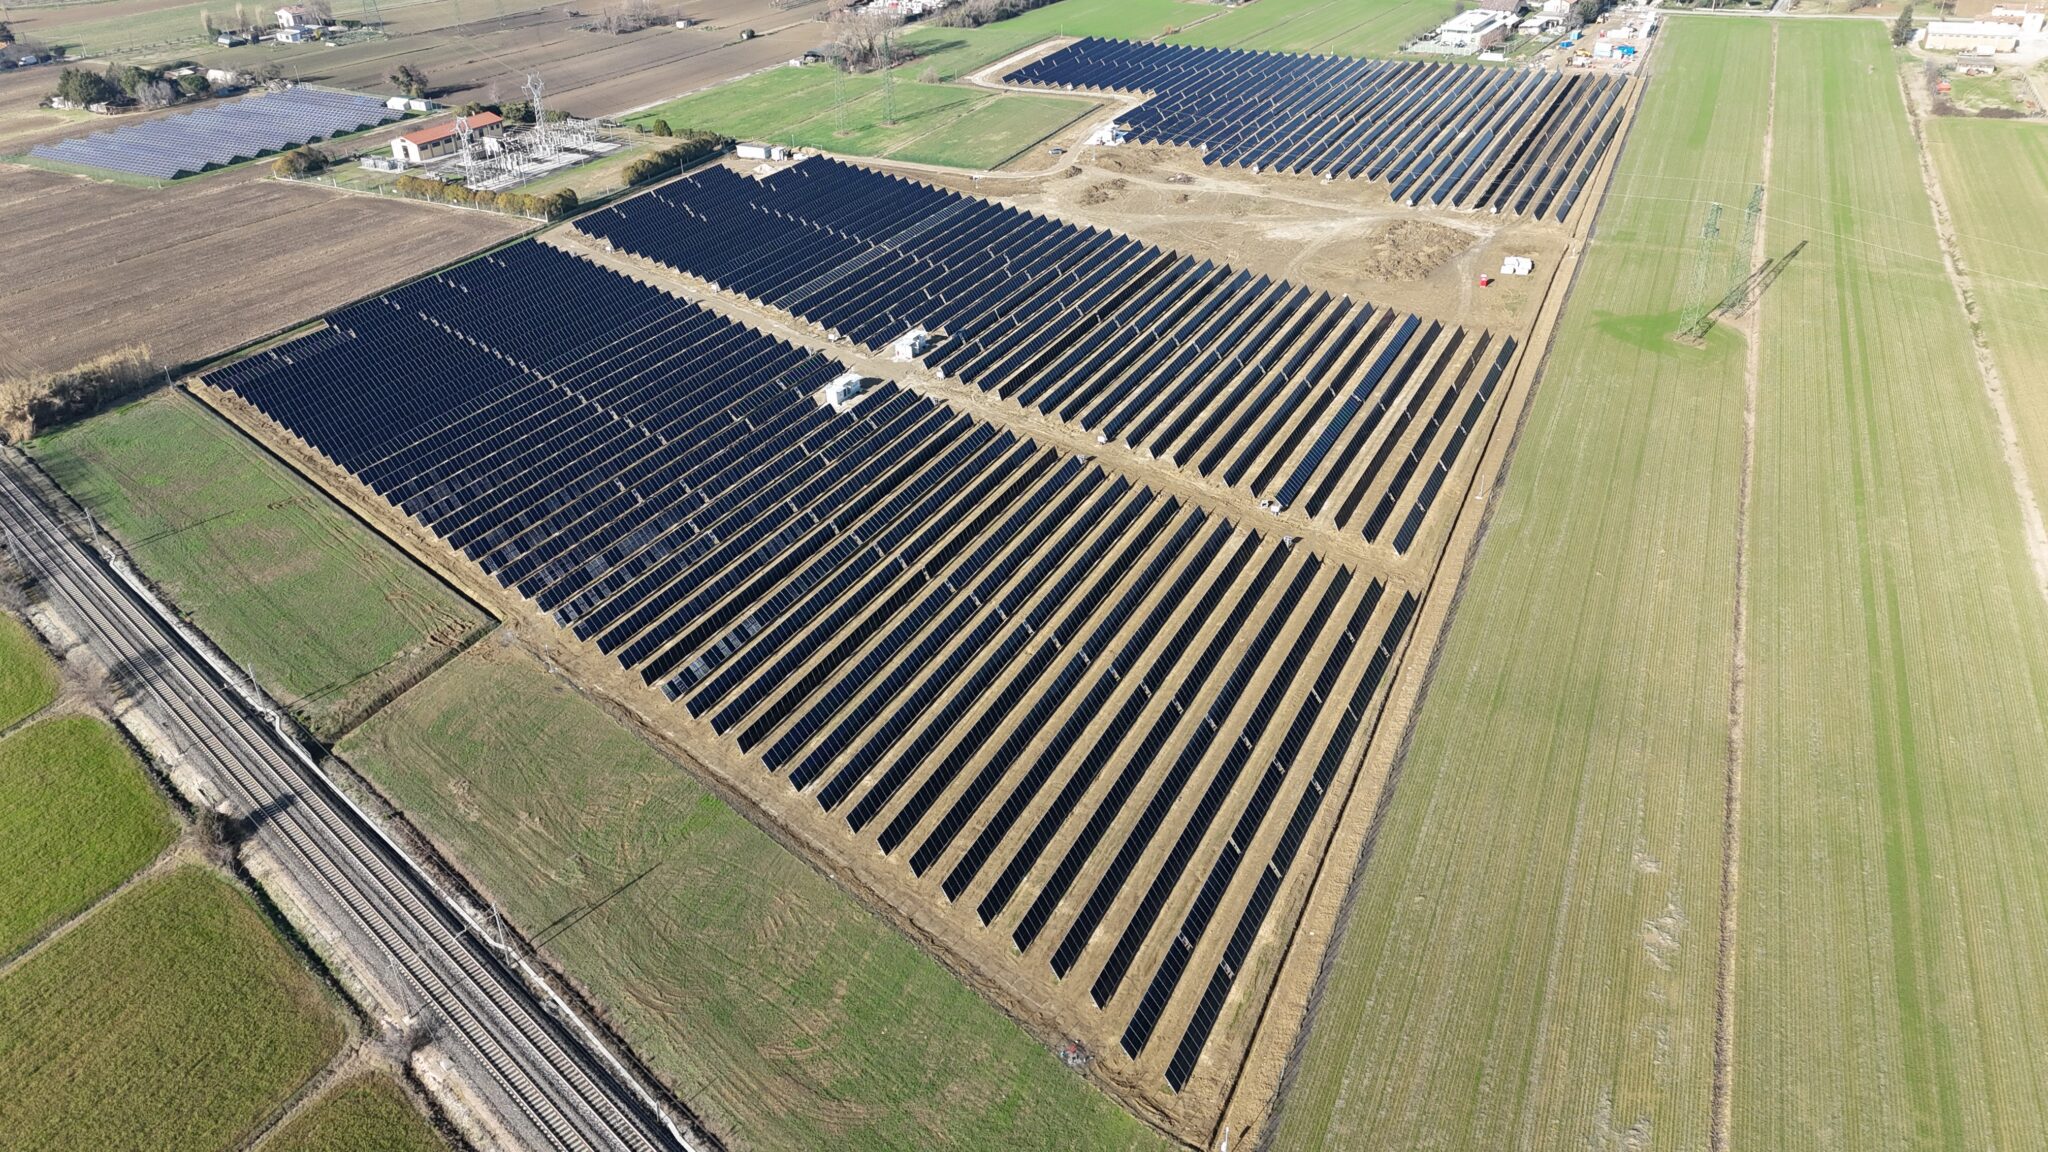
(1225, 372)
(220, 134)
(1508, 139)
(871, 596)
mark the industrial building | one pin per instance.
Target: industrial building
(424, 144)
(1472, 32)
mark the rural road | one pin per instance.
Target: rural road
(549, 1087)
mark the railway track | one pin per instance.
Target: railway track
(552, 1083)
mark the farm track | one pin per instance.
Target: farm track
(547, 1082)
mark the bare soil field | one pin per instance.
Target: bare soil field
(200, 267)
(472, 52)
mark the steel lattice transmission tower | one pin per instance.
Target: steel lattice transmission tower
(534, 88)
(1696, 299)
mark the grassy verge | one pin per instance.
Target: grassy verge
(1891, 985)
(1530, 960)
(171, 1019)
(328, 616)
(773, 1002)
(28, 680)
(76, 819)
(366, 1114)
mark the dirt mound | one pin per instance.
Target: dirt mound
(1410, 249)
(1104, 192)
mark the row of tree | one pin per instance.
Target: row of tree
(692, 146)
(551, 206)
(123, 84)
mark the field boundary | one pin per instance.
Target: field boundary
(1722, 1118)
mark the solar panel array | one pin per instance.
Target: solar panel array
(1519, 140)
(1107, 721)
(222, 134)
(1347, 414)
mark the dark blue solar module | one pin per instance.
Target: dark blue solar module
(220, 134)
(1521, 140)
(1220, 370)
(1028, 675)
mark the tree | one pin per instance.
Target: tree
(82, 88)
(1902, 28)
(863, 37)
(156, 94)
(661, 128)
(194, 85)
(410, 80)
(301, 161)
(128, 77)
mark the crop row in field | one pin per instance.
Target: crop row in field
(778, 1007)
(77, 818)
(1995, 173)
(1890, 982)
(172, 1018)
(1530, 959)
(327, 615)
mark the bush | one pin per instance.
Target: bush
(28, 403)
(194, 85)
(301, 161)
(661, 128)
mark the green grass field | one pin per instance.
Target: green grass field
(1531, 958)
(933, 123)
(777, 1006)
(955, 52)
(1995, 176)
(171, 1019)
(76, 819)
(1341, 27)
(1892, 984)
(328, 615)
(366, 1114)
(28, 679)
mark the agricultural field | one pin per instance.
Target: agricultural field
(471, 52)
(1340, 27)
(328, 616)
(368, 1113)
(77, 818)
(28, 680)
(179, 261)
(1995, 175)
(950, 124)
(176, 1000)
(1893, 908)
(771, 1001)
(1530, 960)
